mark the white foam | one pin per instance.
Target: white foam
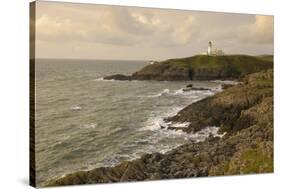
(165, 91)
(162, 93)
(90, 126)
(190, 94)
(196, 93)
(228, 82)
(154, 124)
(204, 133)
(105, 80)
(157, 122)
(76, 108)
(180, 125)
(160, 128)
(209, 93)
(99, 79)
(179, 92)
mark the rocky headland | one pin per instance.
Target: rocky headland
(200, 67)
(243, 111)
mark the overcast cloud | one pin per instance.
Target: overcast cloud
(66, 30)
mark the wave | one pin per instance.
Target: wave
(76, 108)
(89, 126)
(108, 80)
(112, 80)
(162, 93)
(157, 122)
(228, 82)
(100, 79)
(105, 80)
(159, 125)
(203, 134)
(193, 94)
(180, 125)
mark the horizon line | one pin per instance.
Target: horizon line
(60, 58)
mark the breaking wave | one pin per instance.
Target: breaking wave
(228, 82)
(76, 108)
(89, 126)
(193, 93)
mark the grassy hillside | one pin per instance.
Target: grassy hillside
(203, 67)
(266, 57)
(239, 63)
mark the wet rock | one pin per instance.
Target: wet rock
(118, 77)
(226, 86)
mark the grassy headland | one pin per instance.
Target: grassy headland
(201, 67)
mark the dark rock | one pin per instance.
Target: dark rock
(225, 86)
(199, 89)
(118, 77)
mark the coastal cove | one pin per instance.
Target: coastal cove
(91, 122)
(236, 138)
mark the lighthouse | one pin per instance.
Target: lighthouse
(213, 52)
(209, 52)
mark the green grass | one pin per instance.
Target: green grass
(266, 57)
(255, 160)
(236, 64)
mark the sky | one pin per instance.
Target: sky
(89, 31)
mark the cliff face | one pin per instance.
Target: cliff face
(200, 67)
(244, 111)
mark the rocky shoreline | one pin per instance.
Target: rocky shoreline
(243, 111)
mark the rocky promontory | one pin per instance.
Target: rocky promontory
(200, 67)
(244, 112)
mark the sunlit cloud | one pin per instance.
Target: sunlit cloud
(143, 33)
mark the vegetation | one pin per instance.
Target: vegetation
(204, 67)
(201, 67)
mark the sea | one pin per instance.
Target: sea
(84, 122)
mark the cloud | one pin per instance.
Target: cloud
(262, 30)
(142, 31)
(118, 25)
(259, 31)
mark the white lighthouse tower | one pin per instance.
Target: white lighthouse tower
(209, 52)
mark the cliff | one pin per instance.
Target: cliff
(243, 111)
(201, 67)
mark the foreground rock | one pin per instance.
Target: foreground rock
(201, 67)
(244, 111)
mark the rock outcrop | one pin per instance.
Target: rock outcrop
(232, 109)
(118, 77)
(244, 111)
(200, 67)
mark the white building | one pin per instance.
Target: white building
(210, 51)
(216, 52)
